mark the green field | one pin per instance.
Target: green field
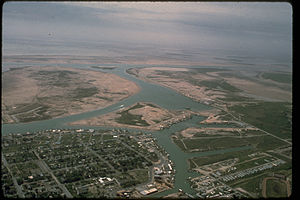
(80, 93)
(127, 118)
(252, 185)
(219, 84)
(215, 143)
(259, 142)
(205, 160)
(276, 189)
(278, 77)
(273, 117)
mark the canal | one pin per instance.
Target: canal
(149, 92)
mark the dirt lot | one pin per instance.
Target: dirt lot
(36, 93)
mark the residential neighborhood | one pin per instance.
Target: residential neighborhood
(83, 163)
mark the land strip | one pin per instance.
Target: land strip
(38, 93)
(141, 115)
(251, 109)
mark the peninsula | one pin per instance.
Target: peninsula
(39, 93)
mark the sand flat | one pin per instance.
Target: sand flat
(35, 93)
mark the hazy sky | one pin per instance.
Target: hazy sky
(218, 29)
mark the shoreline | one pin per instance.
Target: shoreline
(150, 113)
(64, 92)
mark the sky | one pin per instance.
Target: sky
(180, 30)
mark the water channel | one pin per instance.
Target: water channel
(149, 92)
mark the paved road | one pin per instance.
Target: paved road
(97, 155)
(45, 167)
(239, 120)
(264, 186)
(129, 147)
(19, 189)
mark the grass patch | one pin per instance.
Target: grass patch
(219, 84)
(80, 93)
(179, 144)
(204, 70)
(104, 98)
(276, 188)
(205, 160)
(105, 68)
(21, 108)
(138, 105)
(273, 117)
(233, 97)
(127, 118)
(263, 143)
(252, 185)
(59, 78)
(151, 105)
(140, 175)
(107, 137)
(278, 77)
(209, 144)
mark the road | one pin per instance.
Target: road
(129, 147)
(46, 168)
(162, 160)
(98, 156)
(19, 189)
(239, 120)
(264, 186)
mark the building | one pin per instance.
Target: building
(150, 191)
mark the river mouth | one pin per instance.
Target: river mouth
(150, 92)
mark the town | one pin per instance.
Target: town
(84, 163)
(217, 179)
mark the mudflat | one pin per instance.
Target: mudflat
(211, 84)
(38, 93)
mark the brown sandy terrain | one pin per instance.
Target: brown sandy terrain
(181, 85)
(184, 81)
(189, 132)
(109, 59)
(211, 118)
(36, 93)
(263, 91)
(221, 89)
(140, 115)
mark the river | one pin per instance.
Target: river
(149, 92)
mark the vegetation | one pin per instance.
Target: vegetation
(204, 160)
(219, 84)
(204, 70)
(276, 188)
(140, 175)
(260, 142)
(273, 117)
(87, 163)
(104, 67)
(278, 77)
(252, 185)
(127, 118)
(80, 93)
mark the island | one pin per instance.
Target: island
(141, 115)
